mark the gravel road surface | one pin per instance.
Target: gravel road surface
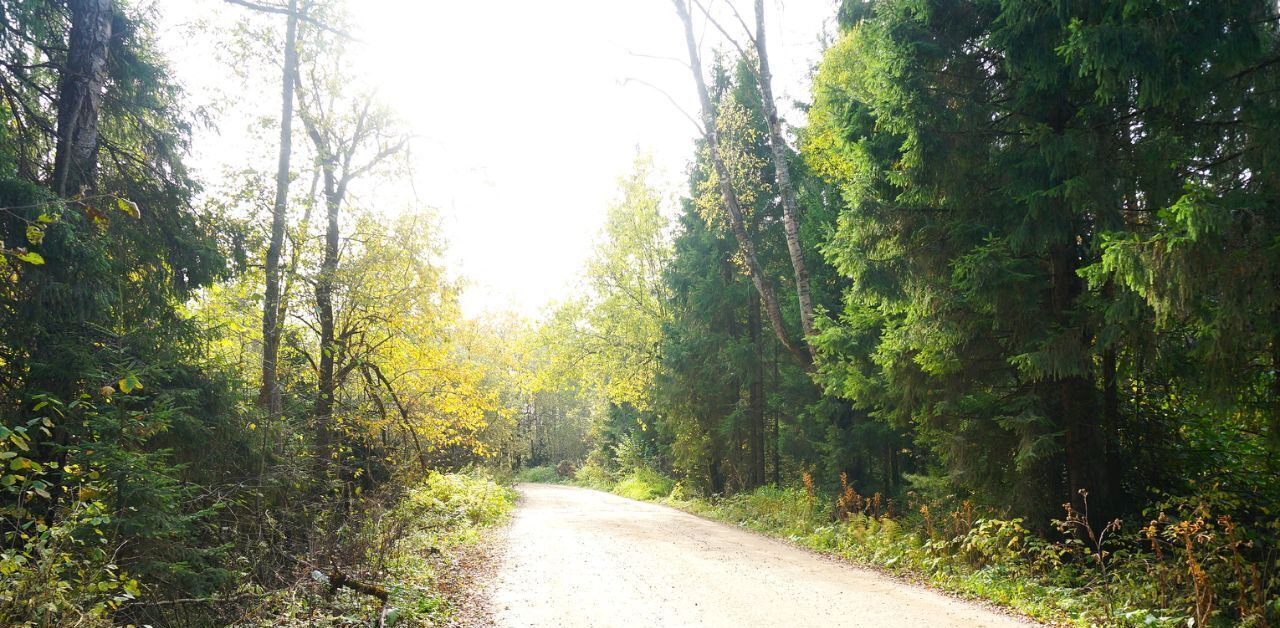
(574, 557)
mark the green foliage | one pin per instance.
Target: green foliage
(539, 475)
(644, 484)
(456, 500)
(956, 548)
(64, 573)
(1029, 328)
(61, 572)
(411, 547)
(594, 474)
(1043, 242)
(141, 481)
(606, 340)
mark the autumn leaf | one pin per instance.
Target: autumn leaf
(94, 214)
(129, 207)
(129, 383)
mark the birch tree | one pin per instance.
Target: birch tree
(732, 205)
(80, 95)
(782, 172)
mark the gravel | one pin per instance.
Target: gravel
(575, 557)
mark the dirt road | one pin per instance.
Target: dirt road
(575, 557)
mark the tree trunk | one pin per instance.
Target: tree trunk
(1275, 385)
(782, 172)
(326, 384)
(269, 396)
(777, 427)
(1111, 412)
(755, 395)
(1076, 404)
(80, 96)
(335, 155)
(730, 197)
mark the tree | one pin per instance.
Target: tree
(782, 173)
(80, 95)
(271, 309)
(415, 394)
(730, 199)
(351, 135)
(973, 289)
(609, 337)
(100, 365)
(1021, 193)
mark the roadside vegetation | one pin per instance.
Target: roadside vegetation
(407, 550)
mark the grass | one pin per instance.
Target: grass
(886, 544)
(644, 484)
(448, 513)
(540, 475)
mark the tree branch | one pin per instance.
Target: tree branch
(278, 10)
(670, 99)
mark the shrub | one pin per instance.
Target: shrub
(407, 551)
(538, 475)
(447, 500)
(644, 484)
(594, 475)
(56, 569)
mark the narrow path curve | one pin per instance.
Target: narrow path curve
(575, 557)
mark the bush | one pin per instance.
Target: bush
(644, 484)
(448, 500)
(408, 550)
(538, 475)
(594, 475)
(55, 569)
(565, 469)
(58, 575)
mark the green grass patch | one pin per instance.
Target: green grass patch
(540, 475)
(644, 484)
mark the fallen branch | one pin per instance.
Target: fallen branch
(194, 600)
(337, 580)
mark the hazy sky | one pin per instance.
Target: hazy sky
(522, 122)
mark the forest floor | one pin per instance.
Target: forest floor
(577, 557)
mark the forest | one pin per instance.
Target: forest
(995, 306)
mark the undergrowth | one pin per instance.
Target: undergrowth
(546, 474)
(644, 484)
(404, 548)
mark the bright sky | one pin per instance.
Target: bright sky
(521, 117)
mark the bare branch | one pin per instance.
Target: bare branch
(687, 115)
(741, 51)
(382, 154)
(279, 10)
(642, 55)
(741, 22)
